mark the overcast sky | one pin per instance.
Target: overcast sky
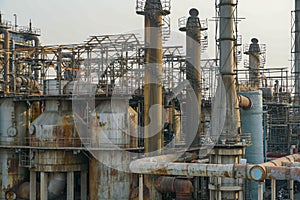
(72, 21)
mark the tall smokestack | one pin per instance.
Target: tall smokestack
(297, 53)
(229, 149)
(231, 130)
(254, 63)
(193, 73)
(153, 99)
(153, 76)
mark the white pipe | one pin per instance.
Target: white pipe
(160, 166)
(141, 185)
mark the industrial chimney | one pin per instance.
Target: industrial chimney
(193, 74)
(297, 53)
(254, 63)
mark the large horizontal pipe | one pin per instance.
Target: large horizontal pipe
(157, 165)
(182, 187)
(280, 161)
(263, 171)
(244, 102)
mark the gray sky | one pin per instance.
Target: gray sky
(72, 21)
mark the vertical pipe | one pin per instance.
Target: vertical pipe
(297, 53)
(83, 185)
(6, 48)
(141, 185)
(260, 191)
(193, 57)
(254, 63)
(273, 189)
(252, 123)
(153, 86)
(13, 68)
(291, 189)
(58, 72)
(43, 186)
(231, 130)
(70, 185)
(153, 75)
(32, 185)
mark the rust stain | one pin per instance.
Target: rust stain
(113, 172)
(12, 164)
(226, 174)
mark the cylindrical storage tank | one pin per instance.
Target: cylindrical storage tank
(13, 125)
(13, 122)
(252, 122)
(55, 129)
(113, 126)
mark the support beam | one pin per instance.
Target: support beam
(83, 183)
(70, 186)
(32, 185)
(141, 186)
(291, 189)
(260, 191)
(43, 188)
(273, 189)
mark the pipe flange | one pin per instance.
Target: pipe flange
(12, 131)
(258, 173)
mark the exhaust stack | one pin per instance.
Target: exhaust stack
(254, 63)
(297, 54)
(193, 73)
(231, 131)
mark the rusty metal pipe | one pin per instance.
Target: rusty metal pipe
(6, 47)
(280, 161)
(182, 187)
(153, 75)
(244, 102)
(260, 172)
(156, 165)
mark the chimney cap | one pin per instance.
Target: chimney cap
(194, 12)
(254, 40)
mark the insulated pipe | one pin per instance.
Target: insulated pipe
(157, 165)
(252, 123)
(260, 171)
(193, 75)
(231, 131)
(254, 63)
(6, 48)
(153, 77)
(297, 53)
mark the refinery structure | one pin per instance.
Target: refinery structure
(126, 117)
